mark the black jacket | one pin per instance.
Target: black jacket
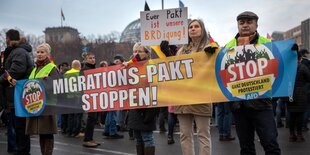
(88, 66)
(19, 65)
(299, 103)
(5, 53)
(142, 119)
(306, 62)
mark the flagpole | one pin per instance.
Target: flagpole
(61, 17)
(162, 4)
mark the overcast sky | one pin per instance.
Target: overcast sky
(103, 16)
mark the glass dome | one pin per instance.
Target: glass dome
(131, 32)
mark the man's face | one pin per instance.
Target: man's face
(247, 27)
(140, 50)
(91, 59)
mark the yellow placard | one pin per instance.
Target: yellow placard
(252, 85)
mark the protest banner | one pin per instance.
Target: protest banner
(168, 24)
(239, 73)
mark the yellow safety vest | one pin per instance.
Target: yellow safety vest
(233, 42)
(72, 70)
(45, 71)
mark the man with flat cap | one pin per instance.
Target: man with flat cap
(253, 115)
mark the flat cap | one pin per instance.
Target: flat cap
(247, 15)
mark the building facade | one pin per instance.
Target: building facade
(61, 34)
(301, 33)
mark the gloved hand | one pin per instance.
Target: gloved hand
(173, 50)
(295, 48)
(211, 49)
(164, 47)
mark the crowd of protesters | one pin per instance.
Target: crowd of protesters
(262, 116)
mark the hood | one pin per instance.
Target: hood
(27, 47)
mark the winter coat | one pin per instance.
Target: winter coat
(299, 103)
(19, 65)
(197, 109)
(43, 124)
(87, 66)
(306, 62)
(4, 54)
(142, 119)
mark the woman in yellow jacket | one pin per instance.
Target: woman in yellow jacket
(45, 126)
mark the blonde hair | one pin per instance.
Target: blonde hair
(136, 45)
(46, 46)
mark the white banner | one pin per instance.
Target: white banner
(168, 24)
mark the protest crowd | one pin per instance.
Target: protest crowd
(247, 117)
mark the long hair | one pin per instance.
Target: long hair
(204, 38)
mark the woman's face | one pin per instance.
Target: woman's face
(140, 50)
(41, 54)
(194, 30)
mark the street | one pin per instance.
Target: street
(73, 146)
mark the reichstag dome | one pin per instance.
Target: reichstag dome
(131, 32)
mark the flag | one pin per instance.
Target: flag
(62, 15)
(51, 59)
(268, 36)
(146, 7)
(8, 77)
(158, 51)
(181, 4)
(211, 40)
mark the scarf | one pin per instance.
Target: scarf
(245, 40)
(41, 63)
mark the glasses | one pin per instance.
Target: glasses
(140, 51)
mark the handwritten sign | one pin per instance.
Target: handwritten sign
(169, 24)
